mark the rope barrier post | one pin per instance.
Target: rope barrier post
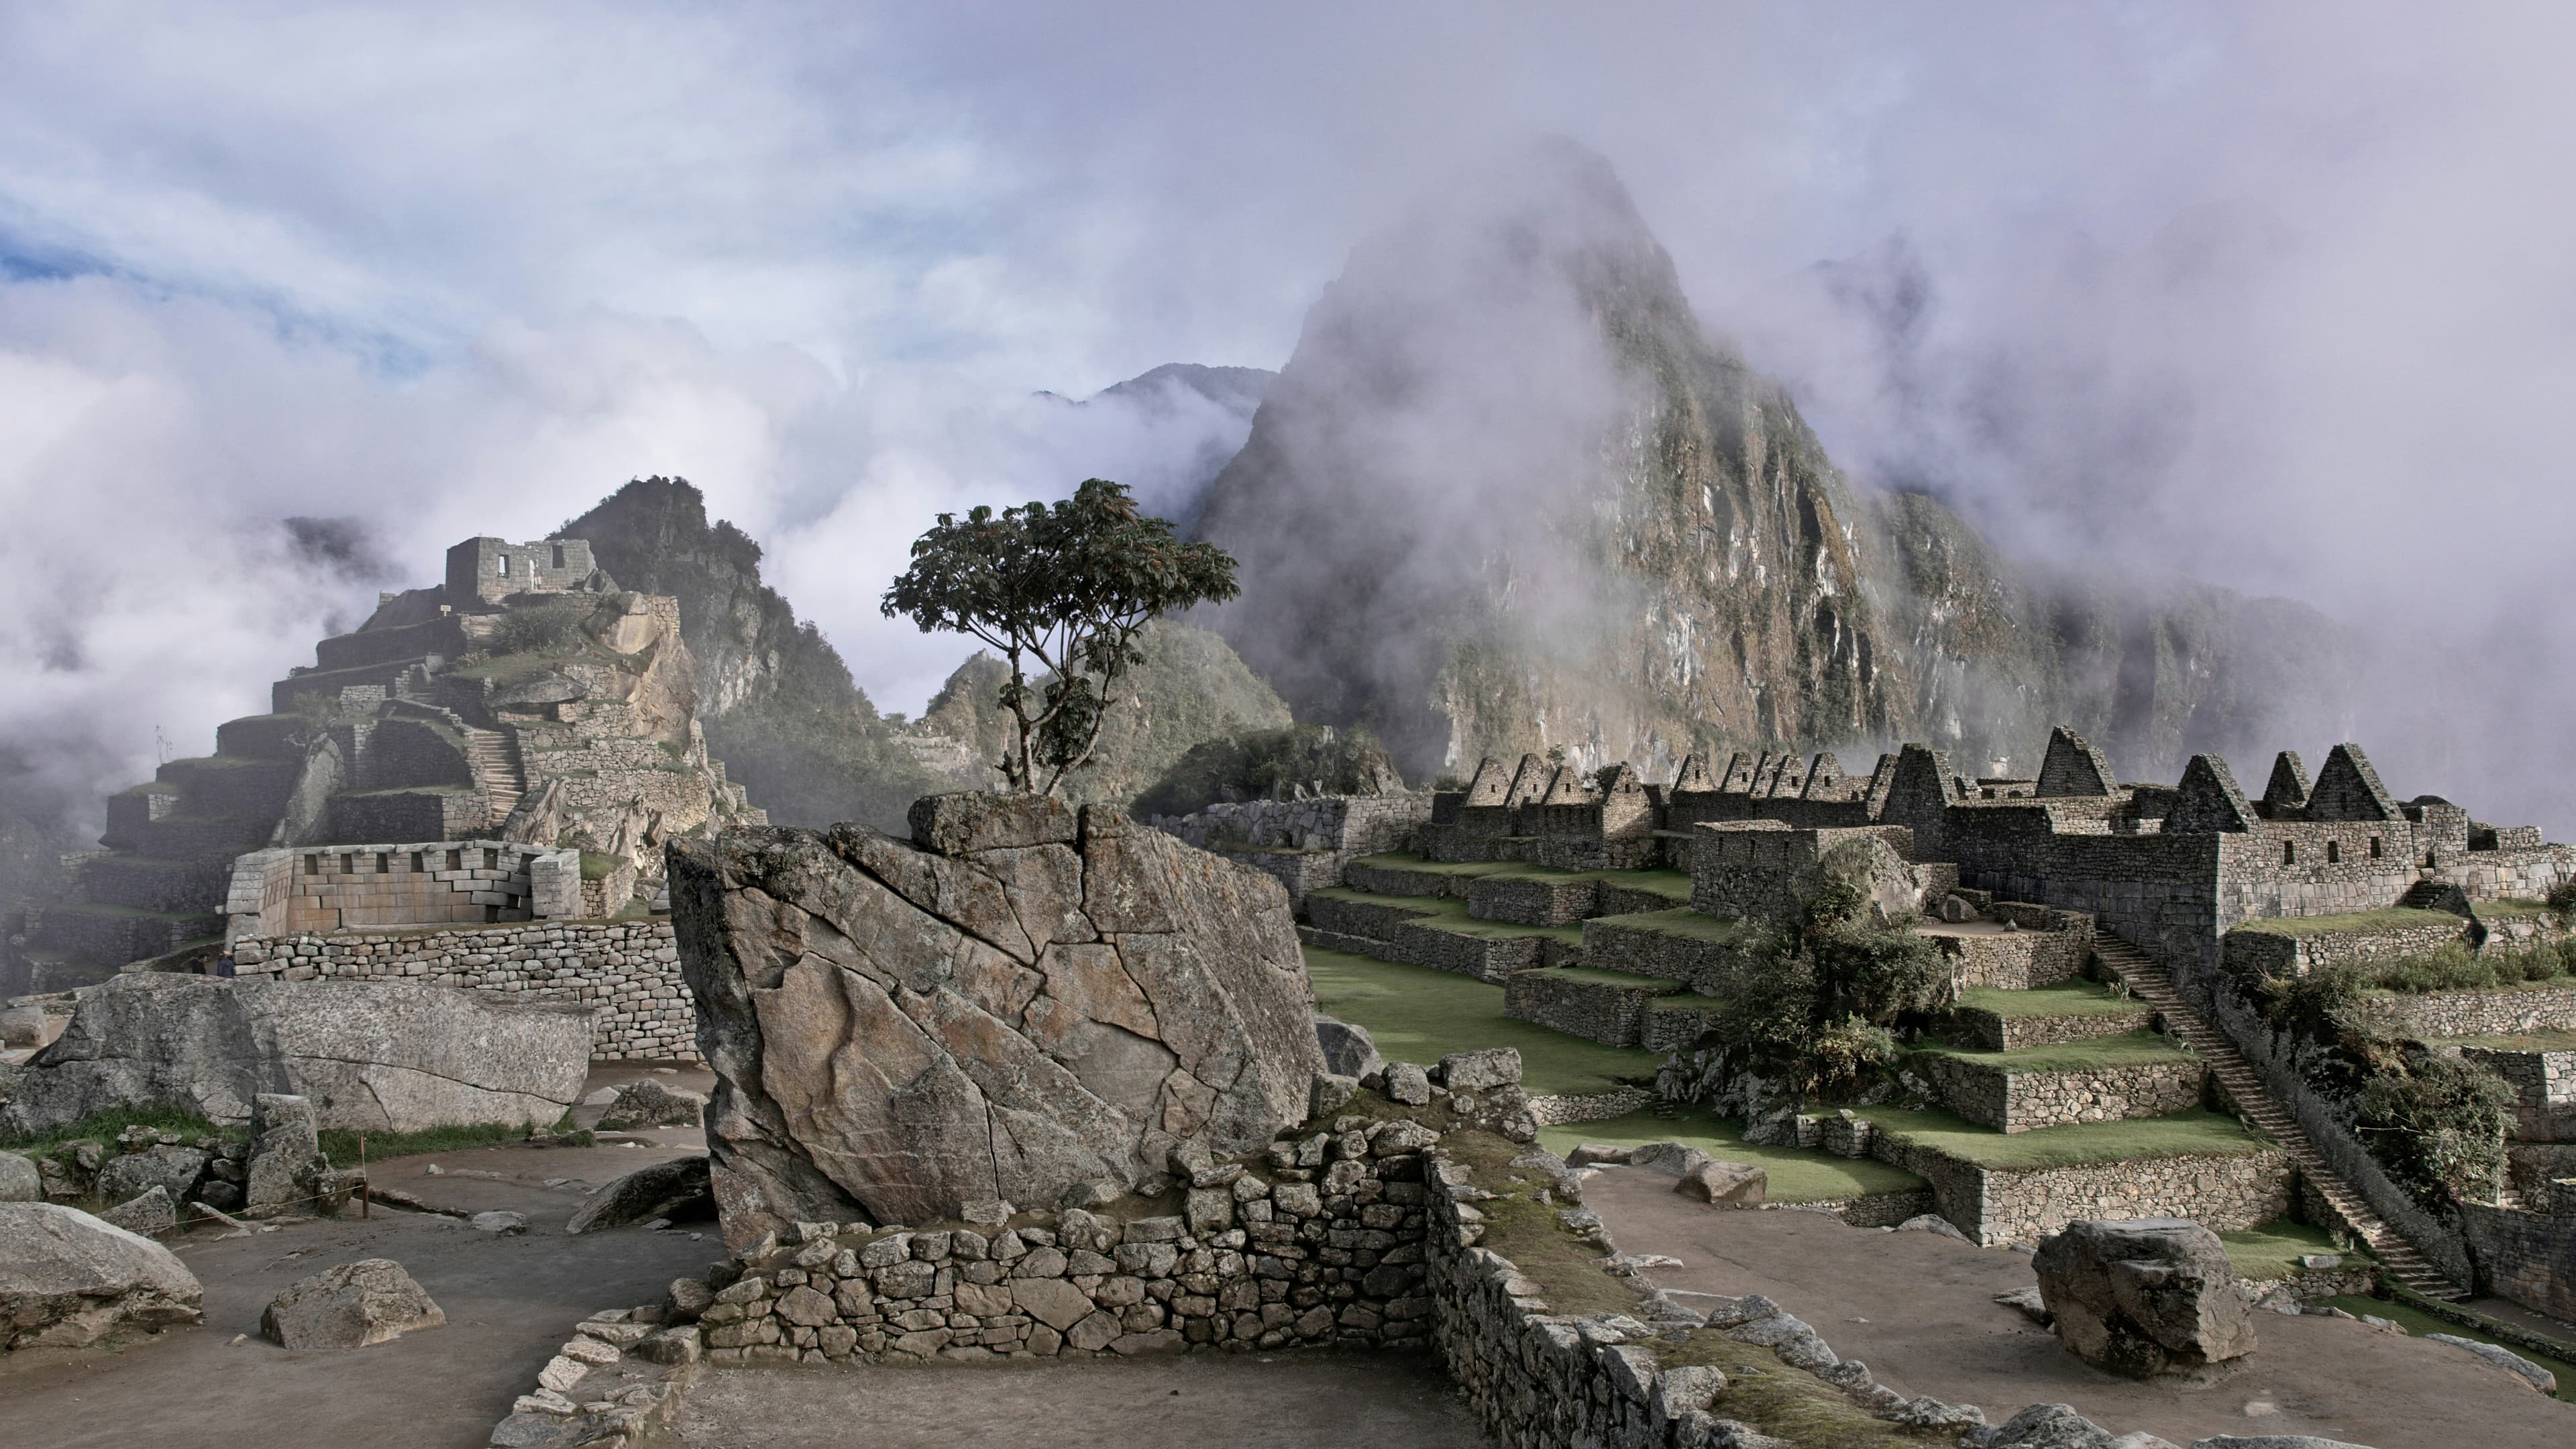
(366, 1201)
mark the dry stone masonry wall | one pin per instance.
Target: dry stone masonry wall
(628, 971)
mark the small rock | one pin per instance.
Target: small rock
(1931, 1223)
(1479, 1070)
(2321, 1261)
(560, 1374)
(499, 1223)
(351, 1306)
(1725, 1184)
(2503, 1358)
(1329, 1094)
(2026, 1301)
(1589, 1153)
(147, 1213)
(544, 1401)
(1407, 1085)
(988, 1212)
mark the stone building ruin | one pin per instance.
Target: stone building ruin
(474, 786)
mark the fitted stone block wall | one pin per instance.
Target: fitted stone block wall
(2252, 949)
(1764, 871)
(2014, 960)
(1357, 824)
(1571, 852)
(1302, 872)
(1997, 1032)
(1484, 957)
(628, 971)
(2541, 1079)
(1992, 1205)
(2529, 871)
(2014, 1101)
(2526, 1257)
(490, 569)
(434, 883)
(1676, 1023)
(1533, 900)
(1320, 1245)
(1711, 963)
(1348, 917)
(1611, 1013)
(2507, 1011)
(427, 813)
(413, 752)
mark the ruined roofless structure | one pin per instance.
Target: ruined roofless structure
(513, 744)
(2170, 867)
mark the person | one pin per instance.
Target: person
(224, 964)
(197, 965)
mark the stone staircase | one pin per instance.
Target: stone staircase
(495, 755)
(2244, 1089)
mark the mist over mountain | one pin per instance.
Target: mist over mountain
(1510, 494)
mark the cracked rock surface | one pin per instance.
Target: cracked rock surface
(376, 1056)
(1025, 999)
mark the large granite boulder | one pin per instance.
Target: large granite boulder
(286, 1161)
(391, 1056)
(352, 1306)
(2144, 1296)
(1024, 1000)
(675, 1188)
(68, 1279)
(20, 1180)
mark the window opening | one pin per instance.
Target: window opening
(2289, 852)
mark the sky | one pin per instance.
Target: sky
(2277, 297)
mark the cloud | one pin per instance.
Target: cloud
(2274, 297)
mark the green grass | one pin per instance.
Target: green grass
(2273, 1250)
(2512, 906)
(2357, 923)
(2067, 998)
(1434, 867)
(1682, 921)
(1621, 980)
(342, 1146)
(2129, 1049)
(2418, 1322)
(596, 866)
(104, 1127)
(2538, 1041)
(1420, 1015)
(2185, 1134)
(1798, 1174)
(1449, 913)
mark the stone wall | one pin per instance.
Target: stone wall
(430, 812)
(2022, 1101)
(2526, 1257)
(2505, 1011)
(433, 883)
(1304, 844)
(1320, 1244)
(2541, 1079)
(1994, 1205)
(628, 970)
(1533, 900)
(2012, 960)
(1708, 961)
(2526, 871)
(1765, 871)
(1995, 1032)
(1609, 1012)
(2254, 950)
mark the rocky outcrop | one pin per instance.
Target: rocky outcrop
(1019, 1000)
(356, 1304)
(68, 1279)
(2144, 1296)
(656, 1190)
(373, 1056)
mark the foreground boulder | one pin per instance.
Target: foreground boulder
(286, 1159)
(1025, 1000)
(351, 1306)
(390, 1056)
(2144, 1296)
(68, 1279)
(20, 1180)
(673, 1189)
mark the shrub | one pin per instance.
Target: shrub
(2451, 968)
(2562, 896)
(553, 627)
(2437, 1124)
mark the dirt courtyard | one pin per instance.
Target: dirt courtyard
(509, 1302)
(1918, 1309)
(1243, 1401)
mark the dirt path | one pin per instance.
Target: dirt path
(1917, 1307)
(509, 1302)
(1268, 1401)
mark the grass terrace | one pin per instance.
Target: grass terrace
(1464, 869)
(2273, 1250)
(2538, 1041)
(2196, 1133)
(1595, 976)
(1420, 1015)
(1798, 1174)
(2357, 923)
(1449, 913)
(2066, 998)
(2523, 906)
(1682, 921)
(2129, 1049)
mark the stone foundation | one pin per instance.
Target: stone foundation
(2020, 1101)
(1707, 959)
(1993, 1205)
(629, 970)
(2526, 1257)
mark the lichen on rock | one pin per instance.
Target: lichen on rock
(1022, 998)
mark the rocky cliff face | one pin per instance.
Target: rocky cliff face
(1019, 999)
(1508, 494)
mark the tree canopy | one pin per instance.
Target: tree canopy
(1067, 587)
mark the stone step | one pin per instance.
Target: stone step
(2246, 1090)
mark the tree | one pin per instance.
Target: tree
(1067, 586)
